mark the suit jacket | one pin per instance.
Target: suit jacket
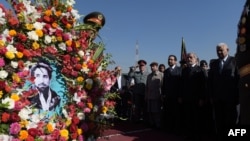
(55, 101)
(153, 85)
(124, 84)
(171, 82)
(193, 84)
(224, 85)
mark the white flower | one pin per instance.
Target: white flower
(3, 74)
(76, 98)
(31, 125)
(81, 53)
(5, 137)
(81, 115)
(37, 117)
(11, 48)
(24, 113)
(38, 25)
(10, 102)
(47, 39)
(95, 108)
(33, 36)
(65, 113)
(2, 17)
(14, 64)
(75, 14)
(62, 46)
(70, 2)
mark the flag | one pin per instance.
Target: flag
(183, 51)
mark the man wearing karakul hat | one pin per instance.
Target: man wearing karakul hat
(140, 78)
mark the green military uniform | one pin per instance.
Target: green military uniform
(243, 63)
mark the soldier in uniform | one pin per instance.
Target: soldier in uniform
(243, 63)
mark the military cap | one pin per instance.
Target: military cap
(154, 64)
(142, 62)
(95, 18)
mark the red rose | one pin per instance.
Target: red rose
(33, 132)
(14, 117)
(22, 37)
(30, 138)
(75, 120)
(2, 85)
(5, 117)
(73, 128)
(73, 136)
(78, 67)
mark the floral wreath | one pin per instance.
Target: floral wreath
(49, 30)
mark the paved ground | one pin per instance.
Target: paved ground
(128, 131)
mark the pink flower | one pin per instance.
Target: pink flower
(2, 62)
(86, 110)
(15, 128)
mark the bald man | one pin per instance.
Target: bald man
(223, 85)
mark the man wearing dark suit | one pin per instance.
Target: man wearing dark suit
(192, 95)
(243, 63)
(121, 86)
(170, 92)
(46, 98)
(223, 85)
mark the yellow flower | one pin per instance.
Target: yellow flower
(59, 38)
(19, 55)
(68, 122)
(50, 127)
(69, 43)
(39, 33)
(1, 94)
(29, 26)
(54, 39)
(10, 55)
(23, 135)
(24, 123)
(64, 133)
(15, 97)
(104, 109)
(79, 79)
(35, 46)
(77, 44)
(90, 105)
(16, 78)
(12, 33)
(79, 131)
(48, 12)
(2, 43)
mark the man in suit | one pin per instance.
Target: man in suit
(46, 98)
(243, 63)
(121, 86)
(192, 95)
(170, 92)
(223, 85)
(140, 78)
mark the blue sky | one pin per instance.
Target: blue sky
(159, 25)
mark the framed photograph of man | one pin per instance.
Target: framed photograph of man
(49, 88)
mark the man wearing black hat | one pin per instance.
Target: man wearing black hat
(140, 78)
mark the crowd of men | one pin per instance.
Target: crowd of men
(190, 100)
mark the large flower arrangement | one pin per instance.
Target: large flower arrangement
(50, 29)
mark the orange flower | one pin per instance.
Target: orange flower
(54, 25)
(58, 13)
(48, 12)
(19, 55)
(69, 43)
(23, 135)
(59, 38)
(90, 105)
(77, 44)
(79, 79)
(12, 33)
(39, 33)
(68, 26)
(50, 127)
